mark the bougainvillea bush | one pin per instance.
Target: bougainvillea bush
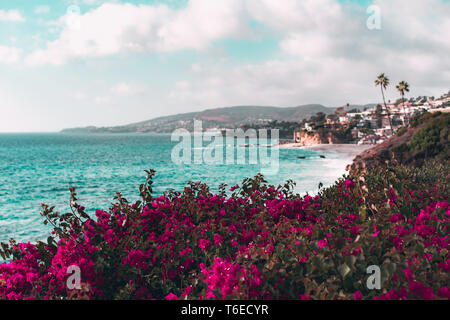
(254, 241)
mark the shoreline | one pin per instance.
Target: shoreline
(352, 150)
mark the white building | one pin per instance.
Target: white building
(308, 127)
(343, 119)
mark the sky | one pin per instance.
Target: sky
(67, 63)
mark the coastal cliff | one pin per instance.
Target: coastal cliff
(427, 137)
(305, 138)
(393, 150)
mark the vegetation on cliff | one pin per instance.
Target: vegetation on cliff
(432, 138)
(426, 138)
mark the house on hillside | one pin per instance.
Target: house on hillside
(355, 133)
(369, 139)
(308, 127)
(343, 119)
(330, 121)
(404, 105)
(385, 122)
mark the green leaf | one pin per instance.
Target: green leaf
(344, 270)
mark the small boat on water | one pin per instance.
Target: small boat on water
(304, 157)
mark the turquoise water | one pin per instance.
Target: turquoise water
(39, 168)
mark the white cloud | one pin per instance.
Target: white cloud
(118, 28)
(291, 82)
(306, 44)
(94, 2)
(102, 100)
(11, 16)
(126, 89)
(79, 96)
(42, 9)
(9, 55)
(308, 28)
(91, 2)
(294, 15)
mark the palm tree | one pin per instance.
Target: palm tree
(383, 82)
(403, 87)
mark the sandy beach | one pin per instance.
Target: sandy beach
(352, 150)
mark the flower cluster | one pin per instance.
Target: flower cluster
(259, 242)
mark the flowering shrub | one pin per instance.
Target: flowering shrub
(260, 242)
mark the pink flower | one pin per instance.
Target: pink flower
(185, 251)
(217, 239)
(444, 292)
(224, 277)
(419, 289)
(357, 295)
(408, 274)
(354, 230)
(377, 231)
(349, 184)
(31, 277)
(322, 243)
(203, 244)
(187, 291)
(171, 296)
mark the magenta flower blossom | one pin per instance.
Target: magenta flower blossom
(349, 184)
(171, 296)
(203, 244)
(419, 289)
(264, 247)
(217, 239)
(357, 295)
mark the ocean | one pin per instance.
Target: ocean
(39, 168)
